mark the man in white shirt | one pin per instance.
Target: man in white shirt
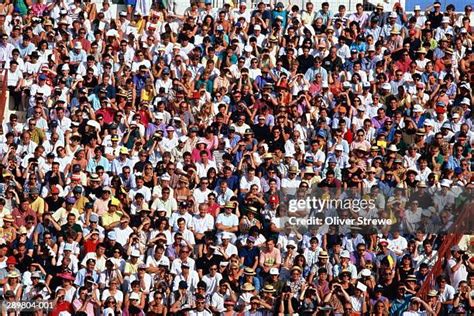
(170, 141)
(205, 164)
(212, 279)
(227, 223)
(123, 231)
(457, 270)
(202, 224)
(291, 183)
(398, 244)
(248, 180)
(176, 266)
(224, 193)
(181, 213)
(201, 194)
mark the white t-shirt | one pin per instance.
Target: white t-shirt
(123, 234)
(459, 275)
(118, 296)
(14, 77)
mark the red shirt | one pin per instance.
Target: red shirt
(403, 65)
(107, 113)
(20, 216)
(214, 209)
(64, 306)
(144, 117)
(90, 246)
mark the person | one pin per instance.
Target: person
(232, 159)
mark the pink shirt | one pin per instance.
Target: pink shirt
(89, 307)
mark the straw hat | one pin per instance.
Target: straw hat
(13, 274)
(269, 289)
(8, 218)
(248, 287)
(249, 271)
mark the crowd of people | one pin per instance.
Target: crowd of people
(151, 160)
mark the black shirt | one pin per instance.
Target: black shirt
(435, 19)
(204, 263)
(261, 132)
(109, 251)
(276, 143)
(305, 63)
(53, 206)
(23, 264)
(330, 64)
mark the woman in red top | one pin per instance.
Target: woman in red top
(60, 305)
(91, 241)
(213, 206)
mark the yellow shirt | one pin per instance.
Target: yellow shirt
(131, 268)
(38, 206)
(38, 135)
(147, 95)
(81, 203)
(109, 218)
(60, 216)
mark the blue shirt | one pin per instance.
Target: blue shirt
(93, 164)
(283, 14)
(249, 255)
(312, 72)
(82, 274)
(400, 305)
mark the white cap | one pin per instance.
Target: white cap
(78, 45)
(291, 243)
(456, 116)
(165, 177)
(445, 20)
(417, 108)
(68, 247)
(365, 273)
(445, 183)
(159, 116)
(417, 8)
(346, 84)
(426, 212)
(465, 101)
(345, 254)
(226, 235)
(257, 28)
(274, 271)
(248, 48)
(371, 48)
(325, 84)
(361, 286)
(112, 32)
(183, 139)
(386, 86)
(134, 296)
(339, 147)
(428, 122)
(135, 253)
(94, 124)
(393, 15)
